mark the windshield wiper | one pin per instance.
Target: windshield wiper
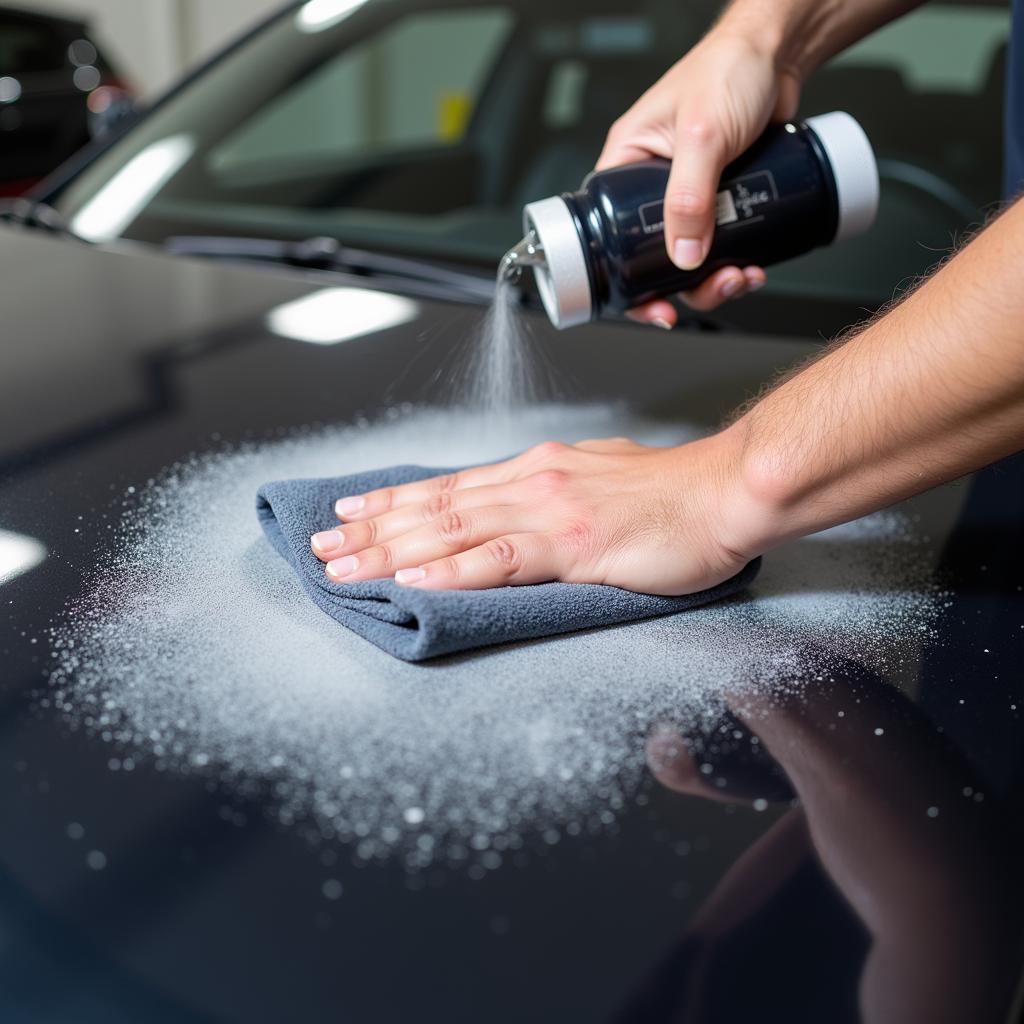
(33, 213)
(325, 253)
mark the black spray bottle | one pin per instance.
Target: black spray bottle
(602, 249)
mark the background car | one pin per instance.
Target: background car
(424, 129)
(57, 91)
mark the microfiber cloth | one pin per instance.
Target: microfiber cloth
(418, 624)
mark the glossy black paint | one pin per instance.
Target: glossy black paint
(785, 205)
(114, 364)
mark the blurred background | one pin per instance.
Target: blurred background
(71, 70)
(153, 41)
(423, 128)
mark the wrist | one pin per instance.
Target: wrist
(793, 34)
(744, 22)
(759, 504)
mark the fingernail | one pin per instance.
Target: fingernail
(756, 285)
(410, 575)
(343, 566)
(349, 506)
(660, 321)
(328, 540)
(730, 287)
(688, 253)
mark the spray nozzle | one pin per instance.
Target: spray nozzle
(527, 253)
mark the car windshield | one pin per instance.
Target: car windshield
(423, 129)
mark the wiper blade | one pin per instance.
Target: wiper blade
(34, 213)
(325, 253)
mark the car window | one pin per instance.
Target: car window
(424, 73)
(928, 88)
(26, 47)
(423, 128)
(937, 48)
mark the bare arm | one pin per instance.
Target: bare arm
(800, 35)
(930, 391)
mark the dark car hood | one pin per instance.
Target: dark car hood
(118, 330)
(150, 895)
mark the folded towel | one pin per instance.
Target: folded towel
(416, 624)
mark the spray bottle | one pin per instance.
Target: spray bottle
(602, 250)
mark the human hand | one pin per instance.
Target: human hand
(655, 520)
(702, 114)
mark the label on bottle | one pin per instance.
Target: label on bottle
(737, 203)
(741, 199)
(725, 208)
(652, 217)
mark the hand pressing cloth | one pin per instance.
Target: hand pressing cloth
(417, 624)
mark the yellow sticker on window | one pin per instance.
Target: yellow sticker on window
(453, 112)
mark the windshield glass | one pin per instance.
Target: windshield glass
(424, 128)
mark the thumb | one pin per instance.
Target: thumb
(690, 195)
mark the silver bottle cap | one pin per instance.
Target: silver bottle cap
(853, 167)
(562, 278)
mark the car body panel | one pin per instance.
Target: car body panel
(143, 358)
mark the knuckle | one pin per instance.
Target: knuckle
(370, 533)
(505, 554)
(448, 568)
(447, 483)
(452, 527)
(546, 451)
(385, 557)
(687, 202)
(437, 505)
(698, 131)
(550, 482)
(619, 129)
(385, 499)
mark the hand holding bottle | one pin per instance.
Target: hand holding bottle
(702, 114)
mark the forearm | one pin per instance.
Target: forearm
(803, 34)
(930, 391)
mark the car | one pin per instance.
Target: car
(57, 91)
(216, 805)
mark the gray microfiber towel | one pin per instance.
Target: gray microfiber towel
(417, 624)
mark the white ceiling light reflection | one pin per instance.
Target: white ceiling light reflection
(18, 555)
(122, 199)
(317, 15)
(334, 315)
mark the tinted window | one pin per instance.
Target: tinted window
(424, 74)
(424, 129)
(27, 46)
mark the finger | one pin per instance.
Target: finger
(375, 503)
(670, 760)
(722, 285)
(512, 560)
(357, 535)
(658, 314)
(756, 278)
(451, 534)
(697, 164)
(615, 154)
(626, 143)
